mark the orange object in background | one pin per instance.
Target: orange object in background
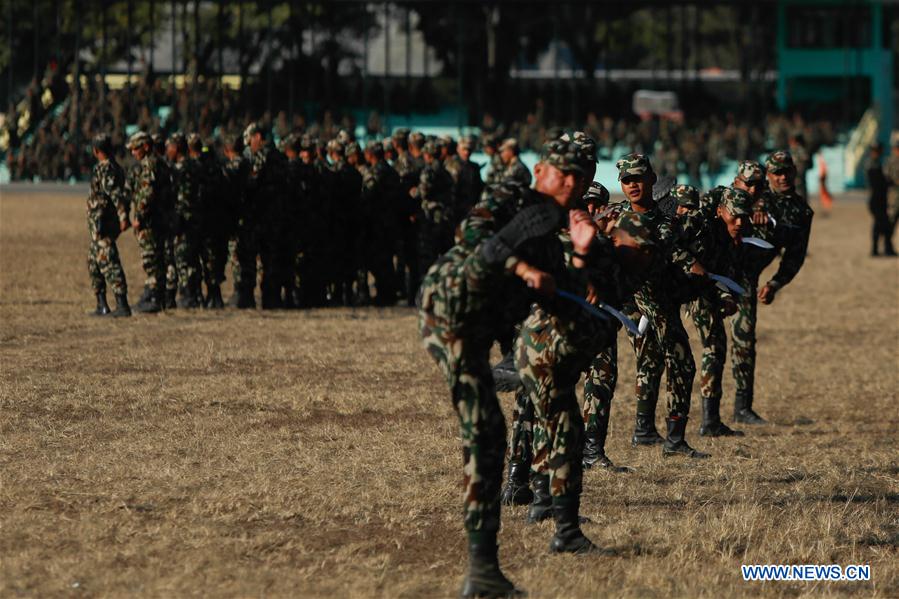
(826, 198)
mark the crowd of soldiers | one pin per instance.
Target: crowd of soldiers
(280, 216)
(551, 271)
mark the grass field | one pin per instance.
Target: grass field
(315, 454)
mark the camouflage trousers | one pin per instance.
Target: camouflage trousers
(743, 341)
(243, 249)
(105, 267)
(449, 306)
(709, 323)
(550, 356)
(187, 260)
(213, 257)
(665, 348)
(151, 246)
(171, 266)
(599, 387)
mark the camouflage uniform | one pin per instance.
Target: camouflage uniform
(242, 242)
(107, 209)
(435, 215)
(408, 167)
(215, 219)
(515, 169)
(462, 298)
(347, 188)
(468, 184)
(891, 171)
(719, 254)
(793, 218)
(186, 242)
(381, 196)
(149, 184)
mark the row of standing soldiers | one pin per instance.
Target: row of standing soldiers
(314, 223)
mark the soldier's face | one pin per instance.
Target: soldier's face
(782, 180)
(464, 152)
(171, 151)
(256, 142)
(306, 156)
(562, 186)
(139, 152)
(507, 156)
(754, 189)
(637, 188)
(734, 223)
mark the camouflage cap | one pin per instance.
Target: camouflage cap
(597, 195)
(467, 141)
(352, 149)
(750, 171)
(685, 195)
(176, 138)
(138, 139)
(633, 165)
(102, 142)
(375, 148)
(779, 161)
(634, 224)
(563, 155)
(430, 148)
(335, 146)
(400, 134)
(510, 143)
(416, 139)
(251, 130)
(737, 201)
(586, 148)
(289, 141)
(194, 142)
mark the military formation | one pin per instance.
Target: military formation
(311, 223)
(551, 271)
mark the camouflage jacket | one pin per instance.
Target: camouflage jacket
(107, 203)
(706, 238)
(891, 171)
(495, 173)
(409, 169)
(790, 235)
(381, 195)
(435, 193)
(517, 171)
(149, 184)
(184, 185)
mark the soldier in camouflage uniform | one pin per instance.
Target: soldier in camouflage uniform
(408, 167)
(362, 240)
(186, 241)
(468, 179)
(507, 249)
(435, 205)
(665, 347)
(789, 233)
(107, 217)
(494, 173)
(891, 171)
(150, 195)
(347, 188)
(381, 194)
(242, 231)
(215, 218)
(265, 192)
(160, 149)
(513, 167)
(715, 242)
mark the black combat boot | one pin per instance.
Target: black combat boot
(149, 302)
(542, 505)
(505, 376)
(711, 420)
(122, 309)
(675, 444)
(743, 412)
(214, 299)
(645, 432)
(516, 490)
(187, 298)
(102, 306)
(484, 578)
(595, 447)
(170, 303)
(145, 295)
(569, 538)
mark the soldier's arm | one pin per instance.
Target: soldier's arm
(793, 257)
(115, 191)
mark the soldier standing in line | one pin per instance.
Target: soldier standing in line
(242, 227)
(213, 220)
(802, 162)
(507, 250)
(514, 168)
(347, 188)
(168, 217)
(494, 174)
(408, 168)
(294, 203)
(877, 203)
(381, 194)
(186, 229)
(107, 217)
(468, 179)
(789, 232)
(362, 240)
(435, 217)
(328, 207)
(148, 186)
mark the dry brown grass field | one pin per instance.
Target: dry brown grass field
(315, 454)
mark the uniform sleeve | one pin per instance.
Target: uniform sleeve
(114, 188)
(793, 256)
